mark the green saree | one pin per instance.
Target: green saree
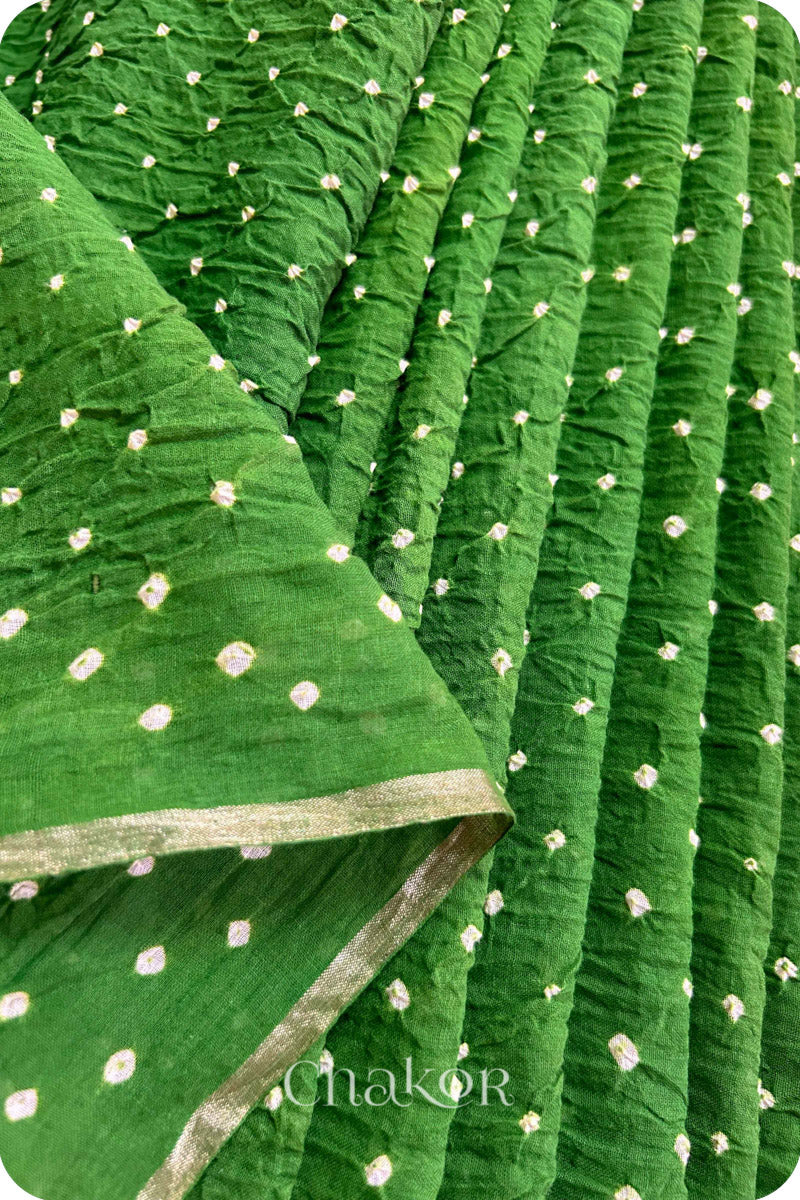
(399, 600)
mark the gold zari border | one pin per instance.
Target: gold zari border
(218, 1116)
(414, 799)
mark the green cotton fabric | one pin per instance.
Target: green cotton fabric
(397, 432)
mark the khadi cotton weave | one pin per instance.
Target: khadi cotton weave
(399, 600)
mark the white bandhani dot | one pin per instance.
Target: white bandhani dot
(675, 526)
(637, 902)
(12, 620)
(669, 651)
(766, 1099)
(541, 310)
(713, 607)
(248, 212)
(235, 658)
(532, 228)
(793, 654)
(153, 591)
(694, 838)
(638, 90)
(761, 399)
(772, 734)
(223, 494)
(591, 76)
(493, 903)
(614, 374)
(338, 553)
(520, 417)
(346, 396)
(719, 1143)
(421, 432)
(627, 1193)
(463, 1051)
(193, 77)
(682, 428)
(551, 991)
(517, 760)
(274, 1098)
(554, 840)
(583, 706)
(330, 183)
(623, 1051)
(622, 274)
(127, 243)
(785, 969)
(148, 161)
(120, 1067)
(80, 539)
(238, 933)
(530, 1122)
(646, 776)
(474, 135)
(590, 590)
(607, 482)
(401, 539)
(157, 716)
(253, 852)
(162, 30)
(13, 1005)
(379, 1171)
(733, 1007)
(301, 109)
(457, 470)
(10, 495)
(25, 889)
(761, 491)
(389, 608)
(750, 864)
(501, 661)
(131, 324)
(441, 587)
(294, 271)
(539, 135)
(141, 866)
(688, 988)
(20, 1105)
(589, 184)
(745, 103)
(444, 317)
(458, 15)
(397, 993)
(304, 694)
(171, 211)
(86, 663)
(151, 961)
(49, 195)
(498, 531)
(56, 283)
(14, 377)
(137, 439)
(470, 938)
(764, 611)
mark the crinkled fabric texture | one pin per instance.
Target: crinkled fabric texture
(398, 424)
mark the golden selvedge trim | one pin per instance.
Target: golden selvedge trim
(354, 966)
(411, 800)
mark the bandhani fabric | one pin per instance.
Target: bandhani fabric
(399, 600)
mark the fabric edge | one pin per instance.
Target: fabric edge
(410, 800)
(218, 1116)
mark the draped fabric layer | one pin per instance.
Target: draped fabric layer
(399, 600)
